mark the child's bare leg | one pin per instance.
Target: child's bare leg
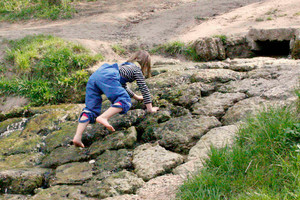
(80, 129)
(103, 119)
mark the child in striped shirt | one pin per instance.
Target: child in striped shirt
(111, 80)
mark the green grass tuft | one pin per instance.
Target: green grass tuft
(47, 69)
(118, 49)
(171, 49)
(13, 10)
(176, 48)
(264, 162)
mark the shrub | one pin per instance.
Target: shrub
(47, 70)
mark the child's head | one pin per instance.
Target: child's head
(144, 60)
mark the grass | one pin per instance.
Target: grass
(259, 19)
(46, 69)
(176, 48)
(118, 49)
(13, 10)
(263, 163)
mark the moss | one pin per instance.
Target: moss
(296, 50)
(43, 124)
(20, 161)
(61, 107)
(14, 144)
(14, 113)
(61, 137)
(4, 125)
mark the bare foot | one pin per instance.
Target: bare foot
(78, 143)
(105, 123)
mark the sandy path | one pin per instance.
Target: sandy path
(145, 22)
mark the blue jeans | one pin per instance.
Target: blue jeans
(106, 80)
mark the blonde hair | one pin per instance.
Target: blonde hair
(143, 58)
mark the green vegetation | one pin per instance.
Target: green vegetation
(272, 12)
(12, 10)
(118, 49)
(201, 18)
(222, 37)
(264, 162)
(171, 48)
(176, 48)
(296, 50)
(46, 70)
(259, 19)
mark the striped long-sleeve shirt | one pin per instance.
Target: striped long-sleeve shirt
(134, 73)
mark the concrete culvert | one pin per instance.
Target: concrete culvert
(271, 42)
(272, 48)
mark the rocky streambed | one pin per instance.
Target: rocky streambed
(149, 155)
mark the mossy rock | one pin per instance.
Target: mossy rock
(22, 181)
(61, 107)
(60, 192)
(174, 110)
(43, 124)
(132, 117)
(296, 50)
(114, 141)
(72, 173)
(20, 161)
(151, 123)
(114, 160)
(63, 155)
(14, 113)
(14, 197)
(182, 133)
(123, 182)
(15, 144)
(62, 137)
(5, 124)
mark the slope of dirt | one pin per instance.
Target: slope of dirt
(262, 15)
(102, 23)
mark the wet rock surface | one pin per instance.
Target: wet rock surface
(150, 155)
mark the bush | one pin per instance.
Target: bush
(262, 164)
(47, 70)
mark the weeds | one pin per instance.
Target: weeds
(177, 48)
(259, 19)
(12, 10)
(47, 70)
(118, 49)
(262, 164)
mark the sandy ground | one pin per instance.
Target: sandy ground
(100, 24)
(262, 15)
